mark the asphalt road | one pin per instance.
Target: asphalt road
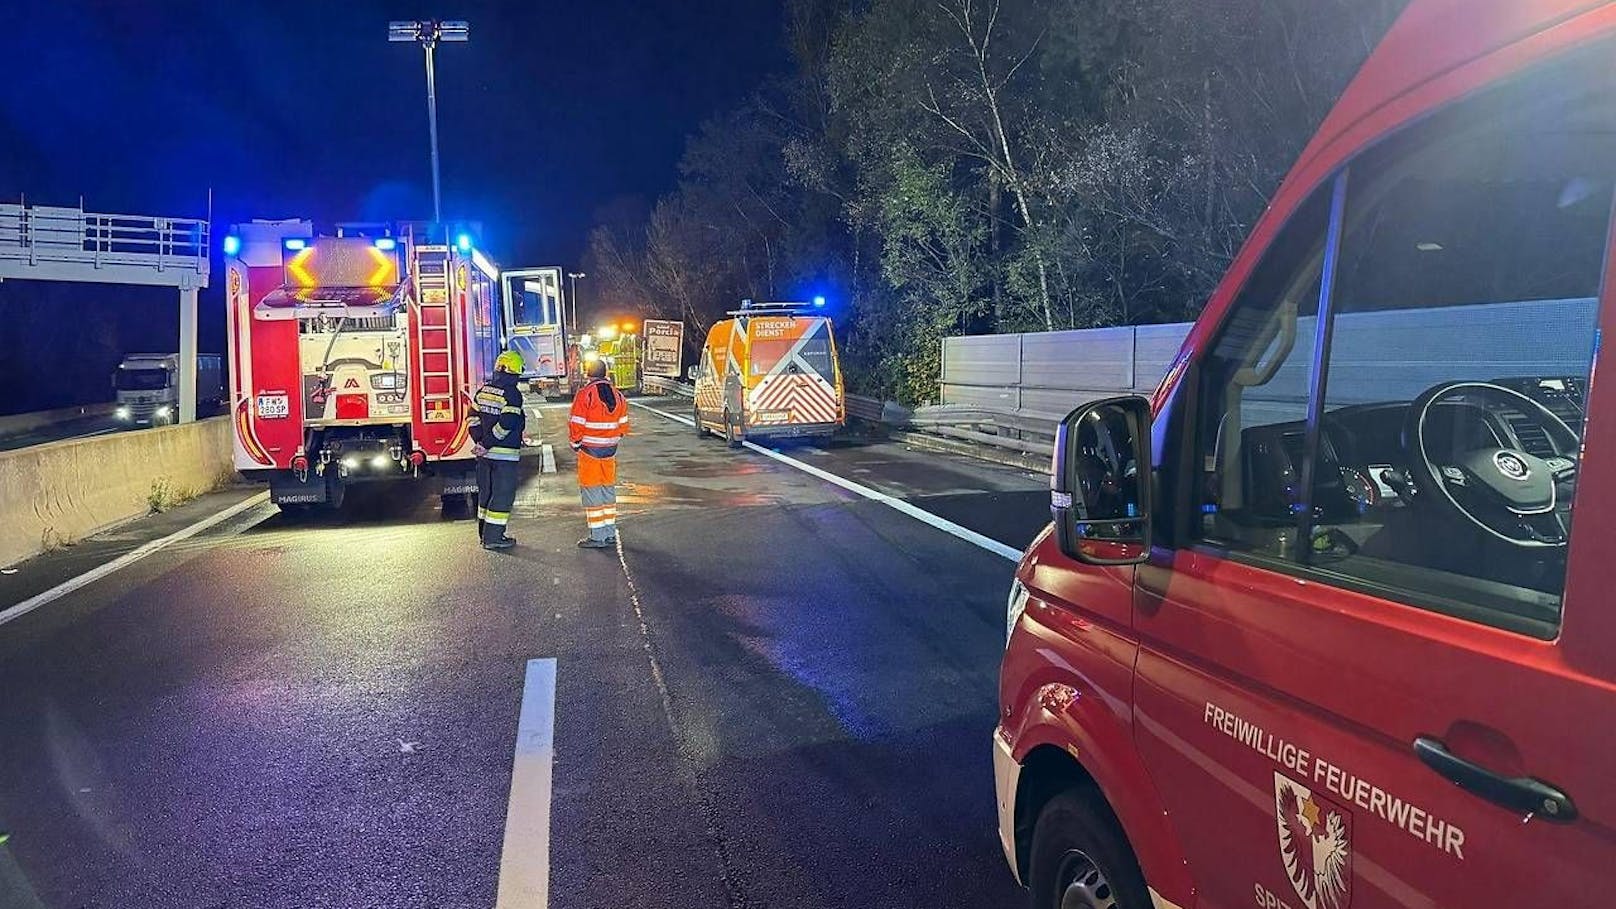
(777, 694)
(66, 429)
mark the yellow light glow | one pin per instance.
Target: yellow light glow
(298, 267)
(591, 357)
(628, 328)
(384, 273)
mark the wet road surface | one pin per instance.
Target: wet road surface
(776, 694)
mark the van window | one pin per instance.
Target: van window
(1464, 312)
(1460, 328)
(1254, 393)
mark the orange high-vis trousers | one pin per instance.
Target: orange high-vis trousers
(597, 488)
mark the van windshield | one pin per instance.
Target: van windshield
(142, 379)
(812, 354)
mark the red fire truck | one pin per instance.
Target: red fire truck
(353, 356)
(1315, 628)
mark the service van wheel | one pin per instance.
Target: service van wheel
(733, 433)
(1080, 858)
(695, 416)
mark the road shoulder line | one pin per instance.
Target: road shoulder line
(524, 859)
(874, 495)
(127, 559)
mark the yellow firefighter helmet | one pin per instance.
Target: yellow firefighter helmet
(509, 361)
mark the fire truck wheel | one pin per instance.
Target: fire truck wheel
(335, 493)
(1080, 857)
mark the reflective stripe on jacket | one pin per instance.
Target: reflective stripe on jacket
(595, 428)
(498, 421)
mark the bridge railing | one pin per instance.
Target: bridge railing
(38, 234)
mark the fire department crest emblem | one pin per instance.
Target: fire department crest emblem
(1315, 845)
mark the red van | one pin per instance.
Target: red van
(1315, 627)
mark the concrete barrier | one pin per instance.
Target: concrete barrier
(61, 492)
(18, 423)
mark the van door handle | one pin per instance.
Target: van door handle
(1522, 794)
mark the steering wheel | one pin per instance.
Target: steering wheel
(1509, 494)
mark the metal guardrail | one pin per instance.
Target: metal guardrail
(663, 385)
(864, 408)
(1023, 432)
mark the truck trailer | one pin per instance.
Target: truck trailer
(353, 357)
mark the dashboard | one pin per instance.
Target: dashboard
(1363, 462)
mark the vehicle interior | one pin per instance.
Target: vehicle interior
(1449, 438)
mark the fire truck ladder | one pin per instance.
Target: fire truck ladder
(435, 351)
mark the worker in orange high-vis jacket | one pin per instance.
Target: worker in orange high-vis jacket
(599, 422)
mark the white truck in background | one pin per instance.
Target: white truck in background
(147, 387)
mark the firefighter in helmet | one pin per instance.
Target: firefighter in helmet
(497, 425)
(598, 423)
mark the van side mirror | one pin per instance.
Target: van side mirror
(1100, 482)
(691, 373)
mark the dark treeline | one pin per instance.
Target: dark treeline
(948, 166)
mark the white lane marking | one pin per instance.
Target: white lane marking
(100, 432)
(874, 495)
(524, 859)
(127, 559)
(547, 461)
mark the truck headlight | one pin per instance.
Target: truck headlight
(1014, 609)
(163, 411)
(123, 413)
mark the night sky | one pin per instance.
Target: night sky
(554, 114)
(552, 111)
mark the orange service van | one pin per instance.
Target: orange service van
(769, 371)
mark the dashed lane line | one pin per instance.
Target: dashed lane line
(874, 495)
(524, 860)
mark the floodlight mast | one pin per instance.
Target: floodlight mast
(427, 33)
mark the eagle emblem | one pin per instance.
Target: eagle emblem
(1315, 845)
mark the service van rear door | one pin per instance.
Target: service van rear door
(1357, 687)
(791, 371)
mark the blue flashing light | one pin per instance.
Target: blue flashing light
(232, 245)
(295, 243)
(386, 244)
(464, 242)
(819, 302)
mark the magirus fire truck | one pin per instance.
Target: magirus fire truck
(353, 356)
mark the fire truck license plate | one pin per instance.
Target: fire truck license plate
(273, 407)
